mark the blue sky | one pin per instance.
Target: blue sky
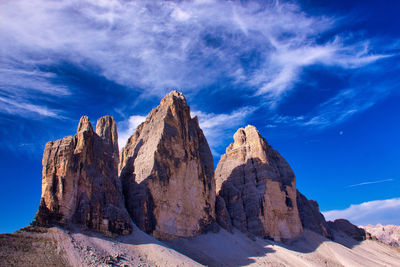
(319, 79)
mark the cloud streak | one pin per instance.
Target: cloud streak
(155, 46)
(220, 127)
(127, 127)
(25, 109)
(372, 182)
(372, 212)
(337, 109)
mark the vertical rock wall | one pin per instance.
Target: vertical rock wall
(80, 183)
(167, 173)
(258, 187)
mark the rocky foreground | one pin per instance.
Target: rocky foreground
(100, 207)
(78, 247)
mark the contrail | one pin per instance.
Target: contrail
(374, 182)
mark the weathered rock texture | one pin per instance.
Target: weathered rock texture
(311, 217)
(346, 227)
(222, 214)
(80, 180)
(389, 234)
(258, 187)
(167, 172)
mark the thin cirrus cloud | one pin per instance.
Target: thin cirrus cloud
(346, 103)
(219, 127)
(371, 182)
(26, 109)
(154, 46)
(372, 212)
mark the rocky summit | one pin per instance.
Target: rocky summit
(258, 187)
(167, 173)
(80, 180)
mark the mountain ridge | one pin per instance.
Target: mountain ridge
(163, 183)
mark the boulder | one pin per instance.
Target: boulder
(346, 227)
(167, 173)
(80, 182)
(258, 187)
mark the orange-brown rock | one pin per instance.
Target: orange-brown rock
(259, 187)
(80, 182)
(167, 173)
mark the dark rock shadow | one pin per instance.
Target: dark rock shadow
(138, 200)
(243, 192)
(249, 179)
(222, 248)
(309, 241)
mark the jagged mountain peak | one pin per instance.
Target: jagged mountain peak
(80, 183)
(84, 125)
(167, 172)
(258, 187)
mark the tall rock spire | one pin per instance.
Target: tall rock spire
(167, 172)
(258, 187)
(106, 128)
(80, 182)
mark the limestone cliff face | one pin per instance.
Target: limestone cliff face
(311, 217)
(167, 172)
(258, 187)
(389, 234)
(80, 180)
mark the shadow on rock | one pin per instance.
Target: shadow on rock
(222, 248)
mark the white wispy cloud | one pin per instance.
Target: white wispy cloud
(26, 109)
(371, 182)
(25, 80)
(337, 109)
(219, 127)
(158, 45)
(372, 212)
(127, 127)
(291, 56)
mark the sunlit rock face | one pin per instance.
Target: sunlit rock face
(258, 187)
(80, 180)
(311, 217)
(389, 234)
(167, 173)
